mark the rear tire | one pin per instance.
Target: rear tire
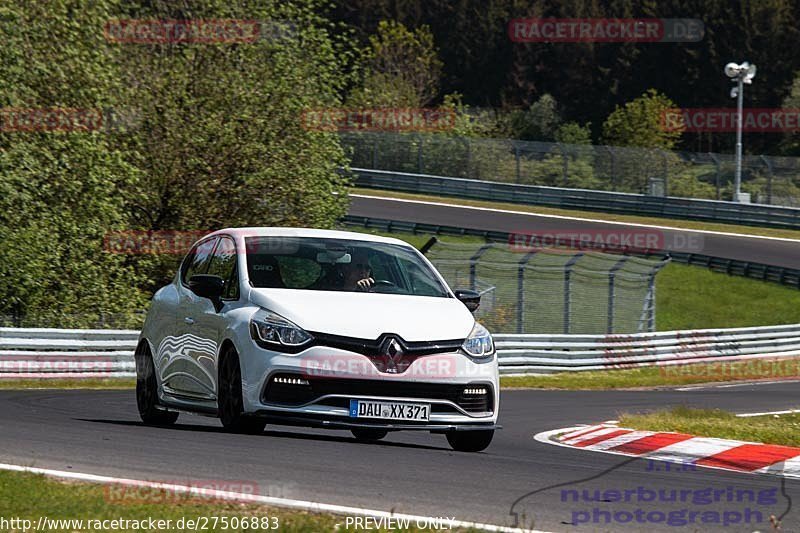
(231, 405)
(470, 441)
(368, 434)
(147, 391)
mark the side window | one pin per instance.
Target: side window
(197, 260)
(421, 284)
(223, 264)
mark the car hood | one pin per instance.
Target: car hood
(368, 315)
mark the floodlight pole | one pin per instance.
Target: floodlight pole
(737, 181)
(740, 74)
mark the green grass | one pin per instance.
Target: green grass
(660, 376)
(670, 222)
(29, 496)
(769, 429)
(100, 384)
(690, 297)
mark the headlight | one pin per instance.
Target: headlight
(479, 343)
(272, 328)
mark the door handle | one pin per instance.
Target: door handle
(189, 320)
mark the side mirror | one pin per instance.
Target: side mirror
(208, 286)
(471, 299)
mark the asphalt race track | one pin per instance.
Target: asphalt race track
(769, 251)
(98, 432)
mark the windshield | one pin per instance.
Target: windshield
(339, 265)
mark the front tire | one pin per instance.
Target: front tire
(147, 391)
(231, 404)
(470, 441)
(368, 434)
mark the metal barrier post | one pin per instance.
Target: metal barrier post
(469, 158)
(613, 168)
(564, 165)
(473, 263)
(768, 164)
(612, 274)
(715, 159)
(567, 293)
(521, 289)
(419, 153)
(649, 310)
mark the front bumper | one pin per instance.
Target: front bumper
(334, 377)
(336, 422)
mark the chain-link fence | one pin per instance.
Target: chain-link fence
(768, 179)
(552, 291)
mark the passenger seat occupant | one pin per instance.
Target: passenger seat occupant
(264, 271)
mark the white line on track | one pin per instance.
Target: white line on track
(564, 217)
(253, 498)
(733, 385)
(789, 411)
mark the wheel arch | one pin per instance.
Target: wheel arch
(142, 348)
(225, 349)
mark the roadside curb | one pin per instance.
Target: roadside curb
(706, 452)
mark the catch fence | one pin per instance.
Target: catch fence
(769, 180)
(552, 290)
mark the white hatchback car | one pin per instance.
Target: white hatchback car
(317, 328)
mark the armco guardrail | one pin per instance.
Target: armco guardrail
(40, 352)
(776, 274)
(525, 354)
(588, 200)
(58, 353)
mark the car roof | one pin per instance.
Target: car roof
(306, 232)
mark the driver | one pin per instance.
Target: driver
(357, 274)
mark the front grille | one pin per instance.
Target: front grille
(389, 353)
(279, 393)
(372, 347)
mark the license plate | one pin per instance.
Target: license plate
(389, 410)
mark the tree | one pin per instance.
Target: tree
(790, 144)
(640, 123)
(402, 68)
(219, 142)
(537, 123)
(574, 133)
(60, 191)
